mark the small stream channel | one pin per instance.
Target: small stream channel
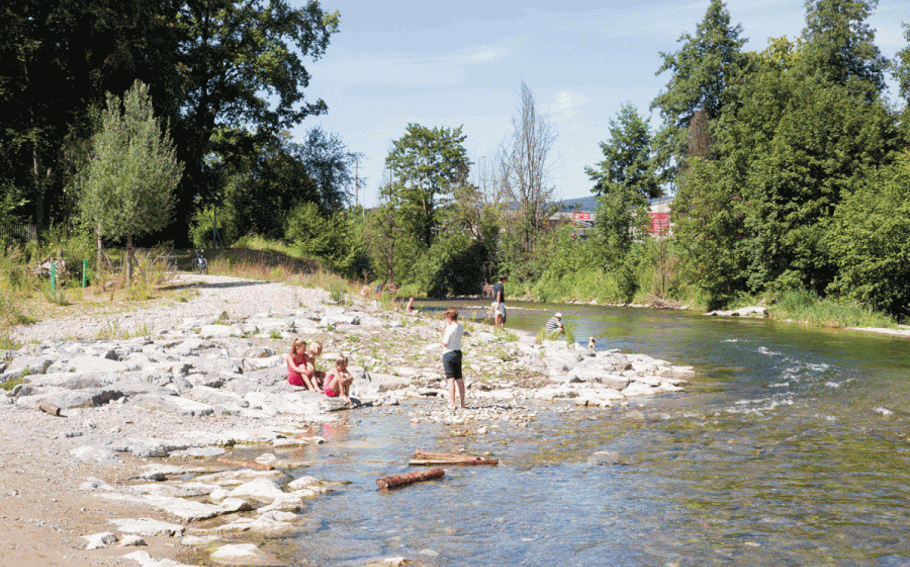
(791, 447)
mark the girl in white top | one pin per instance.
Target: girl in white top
(451, 336)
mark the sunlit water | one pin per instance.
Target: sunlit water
(791, 447)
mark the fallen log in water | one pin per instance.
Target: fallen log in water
(397, 480)
(48, 407)
(246, 464)
(426, 458)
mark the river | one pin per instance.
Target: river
(791, 447)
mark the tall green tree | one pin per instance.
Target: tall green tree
(840, 46)
(208, 64)
(869, 240)
(133, 172)
(627, 157)
(900, 67)
(428, 165)
(701, 72)
(57, 60)
(231, 53)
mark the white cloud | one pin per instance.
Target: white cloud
(486, 56)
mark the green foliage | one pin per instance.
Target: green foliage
(808, 306)
(702, 70)
(12, 383)
(391, 250)
(336, 239)
(133, 172)
(452, 266)
(900, 67)
(201, 234)
(709, 231)
(427, 164)
(570, 333)
(627, 157)
(840, 48)
(869, 241)
(824, 143)
(622, 220)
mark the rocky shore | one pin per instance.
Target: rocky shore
(139, 461)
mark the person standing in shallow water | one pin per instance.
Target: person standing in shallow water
(499, 303)
(451, 336)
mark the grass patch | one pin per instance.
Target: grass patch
(12, 383)
(832, 313)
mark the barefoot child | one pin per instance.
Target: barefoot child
(317, 377)
(451, 336)
(338, 381)
(297, 365)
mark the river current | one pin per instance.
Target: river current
(790, 447)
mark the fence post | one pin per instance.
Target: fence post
(84, 270)
(53, 277)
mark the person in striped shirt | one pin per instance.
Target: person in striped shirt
(553, 327)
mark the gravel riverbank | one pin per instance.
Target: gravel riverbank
(153, 402)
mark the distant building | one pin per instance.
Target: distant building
(659, 211)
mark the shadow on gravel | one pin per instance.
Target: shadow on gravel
(213, 285)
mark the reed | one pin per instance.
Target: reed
(830, 312)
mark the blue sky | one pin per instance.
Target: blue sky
(462, 64)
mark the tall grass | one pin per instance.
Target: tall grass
(828, 312)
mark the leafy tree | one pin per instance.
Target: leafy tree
(702, 71)
(452, 266)
(840, 48)
(133, 172)
(622, 217)
(627, 157)
(208, 64)
(900, 67)
(869, 240)
(428, 164)
(334, 239)
(709, 231)
(57, 60)
(825, 142)
(281, 175)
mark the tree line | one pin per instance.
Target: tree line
(789, 164)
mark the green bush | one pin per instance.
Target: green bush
(452, 266)
(869, 241)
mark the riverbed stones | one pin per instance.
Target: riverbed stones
(202, 386)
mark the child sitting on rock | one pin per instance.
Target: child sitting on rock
(317, 377)
(297, 366)
(338, 381)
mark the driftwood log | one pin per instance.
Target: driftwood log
(426, 458)
(247, 464)
(397, 480)
(48, 407)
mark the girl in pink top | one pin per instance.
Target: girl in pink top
(297, 365)
(338, 382)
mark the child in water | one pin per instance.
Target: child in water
(338, 382)
(297, 366)
(317, 377)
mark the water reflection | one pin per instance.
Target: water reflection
(791, 448)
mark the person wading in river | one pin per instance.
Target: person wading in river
(451, 336)
(499, 303)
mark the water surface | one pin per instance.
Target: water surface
(791, 447)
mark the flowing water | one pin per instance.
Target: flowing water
(791, 447)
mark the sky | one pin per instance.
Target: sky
(462, 64)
